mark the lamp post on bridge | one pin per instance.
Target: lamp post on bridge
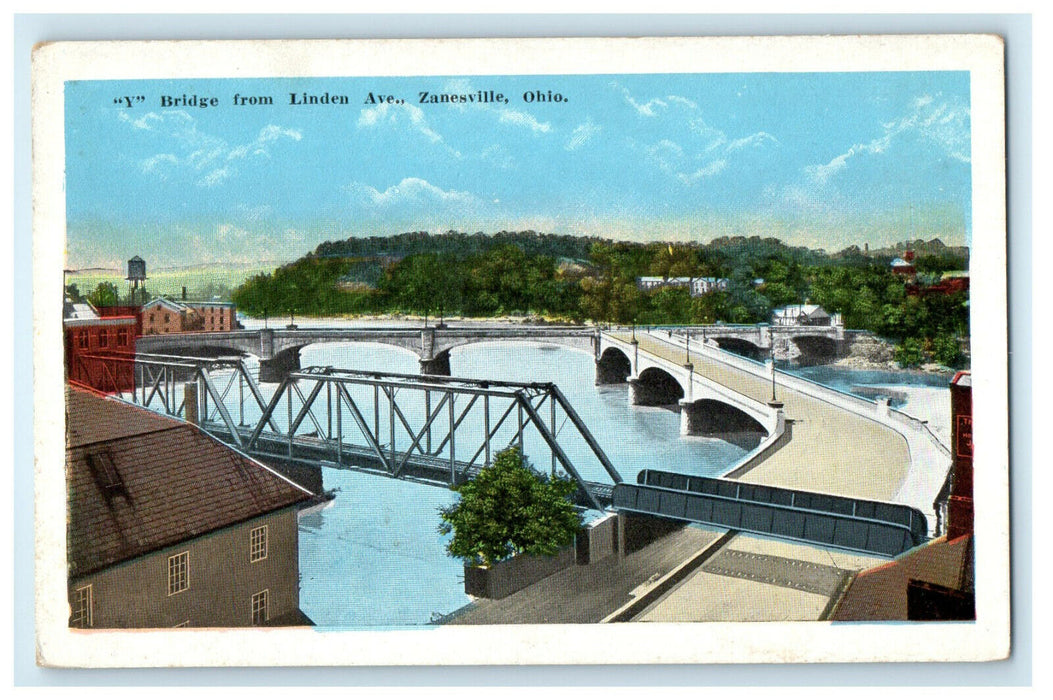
(687, 349)
(774, 403)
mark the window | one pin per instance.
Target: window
(260, 604)
(80, 607)
(122, 336)
(258, 543)
(104, 338)
(82, 340)
(178, 573)
(166, 318)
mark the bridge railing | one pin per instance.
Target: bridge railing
(867, 408)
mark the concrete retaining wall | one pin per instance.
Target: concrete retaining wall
(511, 575)
(598, 540)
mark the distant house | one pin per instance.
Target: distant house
(949, 283)
(698, 286)
(163, 315)
(167, 527)
(902, 267)
(802, 315)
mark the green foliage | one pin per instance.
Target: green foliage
(530, 273)
(947, 351)
(74, 293)
(507, 509)
(105, 294)
(455, 243)
(909, 353)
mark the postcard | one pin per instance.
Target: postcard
(533, 351)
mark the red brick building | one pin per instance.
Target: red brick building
(168, 316)
(167, 527)
(90, 340)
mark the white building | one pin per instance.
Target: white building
(697, 286)
(804, 315)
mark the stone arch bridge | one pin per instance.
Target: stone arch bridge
(706, 407)
(279, 349)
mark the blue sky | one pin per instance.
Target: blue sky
(823, 160)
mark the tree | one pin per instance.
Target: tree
(105, 294)
(508, 509)
(74, 293)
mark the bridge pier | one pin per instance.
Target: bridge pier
(439, 365)
(692, 418)
(279, 366)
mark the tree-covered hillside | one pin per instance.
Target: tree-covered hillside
(579, 279)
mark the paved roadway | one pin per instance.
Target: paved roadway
(831, 450)
(583, 594)
(749, 578)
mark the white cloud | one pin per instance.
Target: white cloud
(645, 109)
(505, 115)
(582, 134)
(752, 141)
(197, 152)
(700, 150)
(944, 124)
(395, 114)
(517, 118)
(412, 191)
(216, 177)
(708, 170)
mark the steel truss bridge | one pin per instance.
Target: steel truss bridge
(435, 429)
(444, 430)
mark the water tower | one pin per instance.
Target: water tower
(137, 276)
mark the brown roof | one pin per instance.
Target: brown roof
(140, 482)
(91, 418)
(881, 593)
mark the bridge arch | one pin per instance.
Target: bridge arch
(613, 367)
(655, 387)
(816, 349)
(581, 343)
(716, 418)
(740, 346)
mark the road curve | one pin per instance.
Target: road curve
(831, 450)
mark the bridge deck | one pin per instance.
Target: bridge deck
(832, 449)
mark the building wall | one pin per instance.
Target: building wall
(112, 336)
(216, 317)
(196, 317)
(161, 319)
(221, 576)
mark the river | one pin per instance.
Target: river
(373, 557)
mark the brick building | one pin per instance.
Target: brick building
(168, 527)
(164, 315)
(89, 339)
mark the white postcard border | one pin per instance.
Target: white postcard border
(988, 638)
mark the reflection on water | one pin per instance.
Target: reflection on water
(374, 557)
